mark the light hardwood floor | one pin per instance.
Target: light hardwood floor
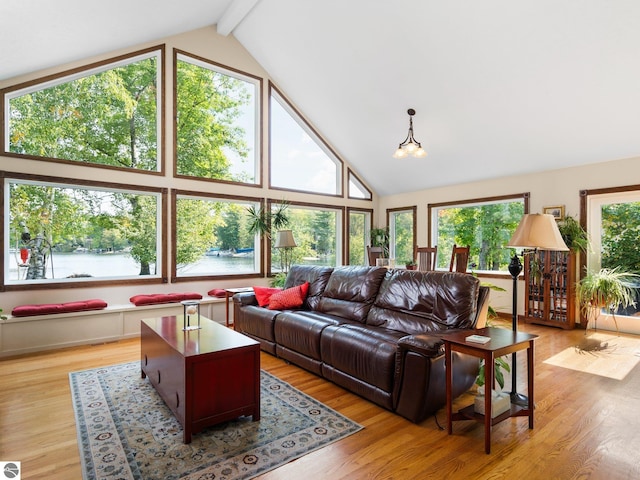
(586, 426)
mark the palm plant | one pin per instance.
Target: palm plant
(607, 288)
(263, 220)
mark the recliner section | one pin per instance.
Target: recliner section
(373, 331)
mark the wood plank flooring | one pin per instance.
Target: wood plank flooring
(586, 426)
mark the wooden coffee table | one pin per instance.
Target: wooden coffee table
(205, 376)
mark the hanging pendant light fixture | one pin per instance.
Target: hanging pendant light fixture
(410, 146)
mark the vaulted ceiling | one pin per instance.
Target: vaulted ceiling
(499, 87)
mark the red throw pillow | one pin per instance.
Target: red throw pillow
(290, 298)
(263, 294)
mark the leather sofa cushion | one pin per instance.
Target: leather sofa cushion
(351, 291)
(317, 276)
(422, 302)
(300, 331)
(257, 321)
(364, 352)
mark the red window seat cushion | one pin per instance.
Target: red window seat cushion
(49, 308)
(158, 298)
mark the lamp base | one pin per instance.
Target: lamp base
(519, 399)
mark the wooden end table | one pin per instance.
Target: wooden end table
(205, 376)
(230, 292)
(503, 342)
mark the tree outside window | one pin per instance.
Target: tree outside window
(317, 232)
(402, 224)
(359, 228)
(217, 126)
(486, 226)
(213, 238)
(614, 229)
(106, 117)
(60, 232)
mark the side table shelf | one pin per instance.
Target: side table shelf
(503, 342)
(469, 413)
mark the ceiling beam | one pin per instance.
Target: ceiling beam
(233, 15)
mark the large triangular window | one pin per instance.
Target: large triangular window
(107, 114)
(299, 159)
(217, 121)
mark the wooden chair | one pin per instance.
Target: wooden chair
(426, 258)
(373, 253)
(459, 259)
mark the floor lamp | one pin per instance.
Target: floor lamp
(286, 243)
(537, 232)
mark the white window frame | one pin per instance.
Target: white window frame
(392, 214)
(594, 223)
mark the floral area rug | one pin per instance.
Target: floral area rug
(125, 431)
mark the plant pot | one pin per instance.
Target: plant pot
(500, 403)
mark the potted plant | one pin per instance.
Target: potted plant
(573, 234)
(410, 265)
(608, 288)
(380, 238)
(500, 401)
(278, 280)
(262, 221)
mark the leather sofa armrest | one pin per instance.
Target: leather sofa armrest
(426, 345)
(245, 298)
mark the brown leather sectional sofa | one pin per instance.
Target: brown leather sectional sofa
(373, 331)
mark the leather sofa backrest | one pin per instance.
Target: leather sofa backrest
(422, 302)
(317, 276)
(351, 291)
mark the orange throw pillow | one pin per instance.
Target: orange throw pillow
(290, 298)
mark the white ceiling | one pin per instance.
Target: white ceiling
(500, 87)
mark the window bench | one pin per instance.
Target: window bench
(35, 333)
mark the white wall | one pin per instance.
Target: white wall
(557, 187)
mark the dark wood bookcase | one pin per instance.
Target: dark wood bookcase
(550, 279)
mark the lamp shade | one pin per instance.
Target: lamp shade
(537, 230)
(285, 239)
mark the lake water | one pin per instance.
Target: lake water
(63, 265)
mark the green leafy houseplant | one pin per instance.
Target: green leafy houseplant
(573, 234)
(499, 364)
(278, 280)
(262, 220)
(607, 288)
(380, 238)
